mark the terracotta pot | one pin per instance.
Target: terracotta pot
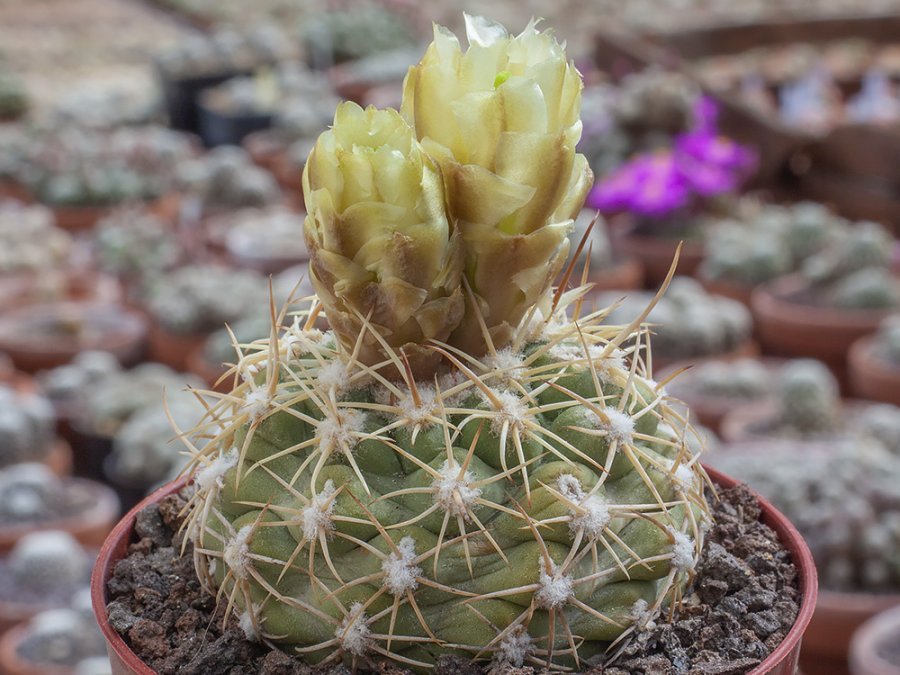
(288, 176)
(827, 646)
(208, 372)
(782, 661)
(746, 349)
(786, 326)
(112, 328)
(78, 218)
(625, 275)
(10, 189)
(167, 207)
(265, 148)
(870, 376)
(654, 253)
(742, 423)
(59, 458)
(18, 290)
(710, 410)
(12, 664)
(89, 527)
(172, 349)
(869, 639)
(728, 289)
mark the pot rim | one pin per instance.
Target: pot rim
(772, 299)
(864, 657)
(788, 535)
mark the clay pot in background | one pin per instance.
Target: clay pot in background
(746, 349)
(742, 423)
(265, 147)
(42, 337)
(17, 290)
(782, 661)
(866, 648)
(827, 645)
(173, 349)
(13, 664)
(654, 253)
(625, 275)
(728, 289)
(89, 527)
(870, 376)
(711, 410)
(787, 326)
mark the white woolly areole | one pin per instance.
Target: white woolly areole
(683, 477)
(682, 551)
(338, 431)
(211, 475)
(512, 411)
(248, 625)
(353, 633)
(556, 588)
(236, 553)
(334, 375)
(642, 615)
(249, 372)
(592, 514)
(454, 495)
(506, 363)
(256, 403)
(419, 414)
(316, 517)
(515, 647)
(620, 426)
(400, 569)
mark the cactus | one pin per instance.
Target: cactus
(266, 233)
(887, 339)
(743, 379)
(524, 499)
(844, 497)
(882, 422)
(225, 50)
(809, 402)
(29, 493)
(59, 638)
(145, 451)
(226, 178)
(109, 403)
(688, 322)
(50, 562)
(863, 246)
(200, 298)
(741, 255)
(27, 426)
(134, 244)
(29, 240)
(343, 35)
(869, 288)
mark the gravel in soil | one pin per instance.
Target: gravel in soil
(745, 601)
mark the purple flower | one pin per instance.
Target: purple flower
(649, 185)
(706, 114)
(706, 147)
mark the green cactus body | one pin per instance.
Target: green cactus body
(519, 508)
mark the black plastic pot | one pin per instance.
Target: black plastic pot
(219, 128)
(182, 96)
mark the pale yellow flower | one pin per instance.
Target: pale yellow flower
(380, 242)
(502, 120)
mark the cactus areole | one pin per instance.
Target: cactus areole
(464, 464)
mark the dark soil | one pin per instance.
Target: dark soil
(745, 602)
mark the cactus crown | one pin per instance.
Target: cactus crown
(462, 467)
(808, 398)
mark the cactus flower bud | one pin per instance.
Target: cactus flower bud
(382, 248)
(502, 121)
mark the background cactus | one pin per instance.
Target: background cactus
(52, 563)
(200, 298)
(739, 380)
(530, 498)
(27, 426)
(688, 321)
(887, 340)
(29, 239)
(852, 272)
(226, 178)
(134, 245)
(809, 400)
